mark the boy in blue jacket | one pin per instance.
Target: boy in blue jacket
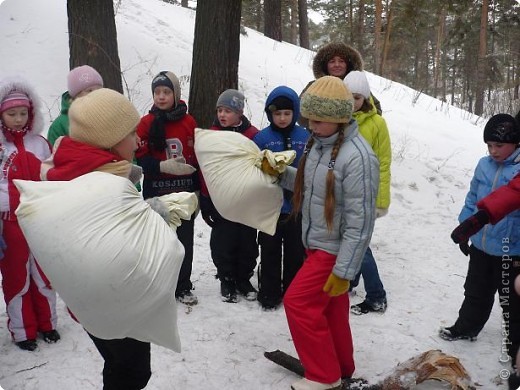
(494, 256)
(282, 254)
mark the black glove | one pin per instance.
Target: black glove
(469, 227)
(208, 211)
(464, 247)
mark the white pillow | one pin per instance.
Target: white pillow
(239, 189)
(111, 258)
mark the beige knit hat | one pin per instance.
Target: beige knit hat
(102, 118)
(327, 100)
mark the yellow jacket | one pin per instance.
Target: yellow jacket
(373, 128)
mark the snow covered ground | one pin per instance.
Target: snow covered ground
(435, 149)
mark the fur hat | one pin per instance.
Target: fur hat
(14, 99)
(102, 118)
(332, 49)
(170, 80)
(19, 84)
(81, 78)
(232, 99)
(502, 128)
(327, 100)
(357, 82)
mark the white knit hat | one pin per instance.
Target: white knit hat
(357, 82)
(102, 118)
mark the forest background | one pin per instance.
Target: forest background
(466, 53)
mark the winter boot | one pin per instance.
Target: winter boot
(452, 334)
(228, 290)
(367, 307)
(245, 288)
(188, 298)
(27, 345)
(307, 384)
(51, 337)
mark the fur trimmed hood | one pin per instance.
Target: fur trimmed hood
(9, 84)
(329, 50)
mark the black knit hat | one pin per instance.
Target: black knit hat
(502, 128)
(281, 103)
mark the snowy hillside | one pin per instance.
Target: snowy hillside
(435, 149)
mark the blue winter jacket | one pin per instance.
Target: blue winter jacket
(504, 237)
(273, 139)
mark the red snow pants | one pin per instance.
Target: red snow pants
(319, 324)
(29, 298)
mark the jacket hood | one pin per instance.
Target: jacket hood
(66, 101)
(287, 92)
(329, 50)
(17, 83)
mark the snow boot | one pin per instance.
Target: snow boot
(367, 307)
(451, 334)
(245, 288)
(27, 345)
(228, 290)
(51, 337)
(188, 298)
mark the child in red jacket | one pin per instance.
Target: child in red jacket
(167, 155)
(29, 297)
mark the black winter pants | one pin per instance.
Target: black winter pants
(486, 275)
(234, 250)
(185, 233)
(281, 256)
(127, 363)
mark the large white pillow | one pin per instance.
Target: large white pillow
(111, 258)
(239, 189)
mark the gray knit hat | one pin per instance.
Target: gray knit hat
(327, 100)
(102, 118)
(232, 99)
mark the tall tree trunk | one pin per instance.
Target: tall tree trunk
(303, 19)
(377, 36)
(273, 19)
(216, 53)
(294, 22)
(481, 64)
(360, 34)
(93, 39)
(386, 45)
(438, 48)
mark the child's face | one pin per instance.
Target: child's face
(323, 129)
(500, 151)
(358, 101)
(282, 118)
(227, 117)
(88, 90)
(127, 146)
(337, 67)
(16, 118)
(163, 97)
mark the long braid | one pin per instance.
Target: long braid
(330, 201)
(297, 198)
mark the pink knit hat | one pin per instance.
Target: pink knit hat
(81, 78)
(15, 99)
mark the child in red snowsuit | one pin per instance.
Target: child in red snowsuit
(29, 298)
